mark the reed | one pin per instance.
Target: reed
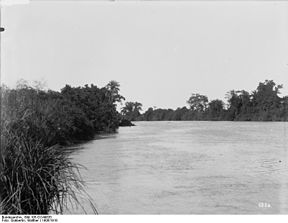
(36, 179)
(37, 175)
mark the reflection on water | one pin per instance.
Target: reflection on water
(189, 168)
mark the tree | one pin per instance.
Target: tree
(283, 111)
(198, 102)
(97, 104)
(148, 115)
(266, 95)
(239, 105)
(131, 110)
(215, 109)
(266, 100)
(113, 88)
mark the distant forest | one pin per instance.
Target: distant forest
(262, 104)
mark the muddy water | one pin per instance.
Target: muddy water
(189, 168)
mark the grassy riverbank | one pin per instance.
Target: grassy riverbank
(37, 176)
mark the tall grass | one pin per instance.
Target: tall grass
(37, 175)
(36, 179)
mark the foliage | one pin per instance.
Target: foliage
(131, 110)
(113, 88)
(36, 174)
(215, 109)
(198, 102)
(263, 104)
(36, 179)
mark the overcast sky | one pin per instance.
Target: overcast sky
(160, 52)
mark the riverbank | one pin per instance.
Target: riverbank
(37, 175)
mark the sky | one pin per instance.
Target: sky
(159, 52)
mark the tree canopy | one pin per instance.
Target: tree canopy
(263, 104)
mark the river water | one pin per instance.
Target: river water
(188, 168)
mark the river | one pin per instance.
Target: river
(188, 168)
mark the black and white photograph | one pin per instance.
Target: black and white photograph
(143, 108)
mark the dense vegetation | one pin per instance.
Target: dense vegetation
(131, 111)
(36, 173)
(263, 104)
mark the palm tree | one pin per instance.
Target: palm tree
(131, 110)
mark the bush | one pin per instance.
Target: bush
(36, 173)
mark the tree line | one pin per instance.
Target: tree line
(262, 104)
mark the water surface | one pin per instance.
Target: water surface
(189, 168)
